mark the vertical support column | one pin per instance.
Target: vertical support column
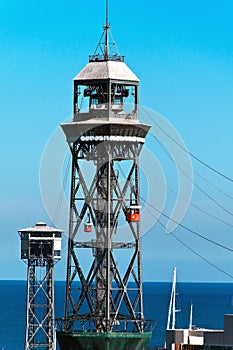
(50, 309)
(139, 258)
(136, 99)
(30, 326)
(108, 241)
(109, 100)
(101, 239)
(70, 238)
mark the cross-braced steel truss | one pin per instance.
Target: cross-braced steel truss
(40, 332)
(105, 295)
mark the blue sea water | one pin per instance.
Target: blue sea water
(210, 302)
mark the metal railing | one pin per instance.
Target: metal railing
(109, 57)
(88, 324)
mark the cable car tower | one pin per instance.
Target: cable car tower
(41, 248)
(104, 301)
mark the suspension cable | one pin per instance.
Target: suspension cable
(194, 251)
(199, 187)
(191, 154)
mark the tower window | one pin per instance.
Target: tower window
(94, 101)
(117, 101)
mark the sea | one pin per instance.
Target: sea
(210, 302)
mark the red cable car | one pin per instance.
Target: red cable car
(133, 213)
(88, 225)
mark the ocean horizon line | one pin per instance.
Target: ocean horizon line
(156, 281)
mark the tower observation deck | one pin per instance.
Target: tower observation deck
(104, 297)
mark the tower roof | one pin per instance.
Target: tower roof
(40, 227)
(104, 70)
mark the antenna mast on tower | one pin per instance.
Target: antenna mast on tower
(106, 48)
(106, 28)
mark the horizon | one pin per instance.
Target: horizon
(184, 61)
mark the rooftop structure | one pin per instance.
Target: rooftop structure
(201, 338)
(113, 70)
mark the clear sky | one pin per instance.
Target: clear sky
(182, 52)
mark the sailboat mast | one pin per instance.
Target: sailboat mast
(174, 300)
(172, 305)
(191, 317)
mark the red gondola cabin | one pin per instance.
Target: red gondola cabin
(133, 213)
(88, 227)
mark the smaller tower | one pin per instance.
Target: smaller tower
(40, 248)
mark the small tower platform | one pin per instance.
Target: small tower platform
(40, 248)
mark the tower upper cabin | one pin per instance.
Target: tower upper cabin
(106, 89)
(40, 242)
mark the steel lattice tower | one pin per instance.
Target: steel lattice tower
(104, 301)
(41, 248)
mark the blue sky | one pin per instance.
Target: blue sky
(183, 53)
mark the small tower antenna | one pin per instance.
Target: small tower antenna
(106, 48)
(106, 12)
(106, 29)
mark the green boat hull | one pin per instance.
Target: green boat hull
(103, 341)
